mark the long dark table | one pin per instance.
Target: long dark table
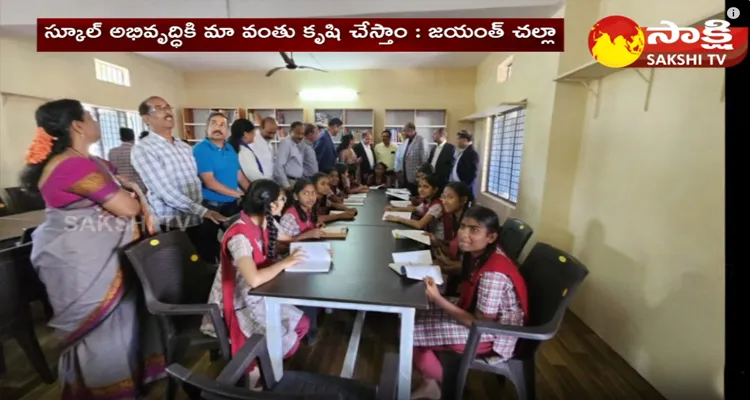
(361, 280)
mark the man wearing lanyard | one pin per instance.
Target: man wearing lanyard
(221, 176)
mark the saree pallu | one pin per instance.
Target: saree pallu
(112, 344)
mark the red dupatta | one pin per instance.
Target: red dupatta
(498, 262)
(246, 227)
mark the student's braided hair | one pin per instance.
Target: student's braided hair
(491, 222)
(258, 202)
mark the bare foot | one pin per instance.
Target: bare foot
(428, 389)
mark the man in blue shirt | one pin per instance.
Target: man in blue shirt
(221, 177)
(325, 150)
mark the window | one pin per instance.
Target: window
(110, 122)
(506, 149)
(112, 73)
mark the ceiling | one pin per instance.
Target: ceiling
(18, 18)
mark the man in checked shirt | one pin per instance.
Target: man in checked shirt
(168, 169)
(120, 158)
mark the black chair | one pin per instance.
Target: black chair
(16, 320)
(552, 278)
(515, 234)
(294, 385)
(176, 285)
(38, 290)
(23, 200)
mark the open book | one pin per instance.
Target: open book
(335, 232)
(400, 203)
(394, 190)
(402, 214)
(358, 196)
(416, 265)
(413, 234)
(317, 257)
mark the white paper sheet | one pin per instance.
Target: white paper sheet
(421, 257)
(419, 272)
(402, 196)
(402, 214)
(413, 234)
(400, 203)
(393, 190)
(376, 187)
(317, 257)
(358, 196)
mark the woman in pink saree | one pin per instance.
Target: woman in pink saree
(110, 348)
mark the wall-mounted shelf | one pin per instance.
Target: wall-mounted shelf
(194, 121)
(356, 120)
(492, 111)
(591, 74)
(425, 120)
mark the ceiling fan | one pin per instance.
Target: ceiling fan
(291, 65)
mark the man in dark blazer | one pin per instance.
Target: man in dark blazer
(466, 169)
(442, 155)
(366, 154)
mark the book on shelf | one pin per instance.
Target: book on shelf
(318, 257)
(416, 265)
(399, 214)
(413, 234)
(280, 117)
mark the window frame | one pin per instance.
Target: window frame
(124, 119)
(510, 132)
(111, 73)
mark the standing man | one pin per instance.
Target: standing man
(169, 171)
(221, 176)
(385, 151)
(414, 157)
(263, 148)
(325, 150)
(467, 163)
(120, 158)
(366, 155)
(289, 160)
(442, 155)
(309, 159)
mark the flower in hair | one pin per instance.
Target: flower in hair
(40, 147)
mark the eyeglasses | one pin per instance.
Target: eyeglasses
(160, 109)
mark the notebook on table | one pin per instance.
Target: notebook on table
(400, 203)
(354, 202)
(358, 196)
(402, 214)
(376, 187)
(413, 234)
(398, 195)
(416, 265)
(335, 232)
(317, 257)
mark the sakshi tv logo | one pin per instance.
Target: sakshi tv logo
(619, 42)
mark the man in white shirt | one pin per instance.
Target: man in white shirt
(442, 156)
(263, 148)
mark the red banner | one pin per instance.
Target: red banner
(301, 35)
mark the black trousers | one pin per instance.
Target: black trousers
(210, 248)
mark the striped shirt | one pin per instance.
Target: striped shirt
(171, 177)
(120, 158)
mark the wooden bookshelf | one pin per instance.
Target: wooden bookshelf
(284, 118)
(194, 121)
(425, 120)
(356, 120)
